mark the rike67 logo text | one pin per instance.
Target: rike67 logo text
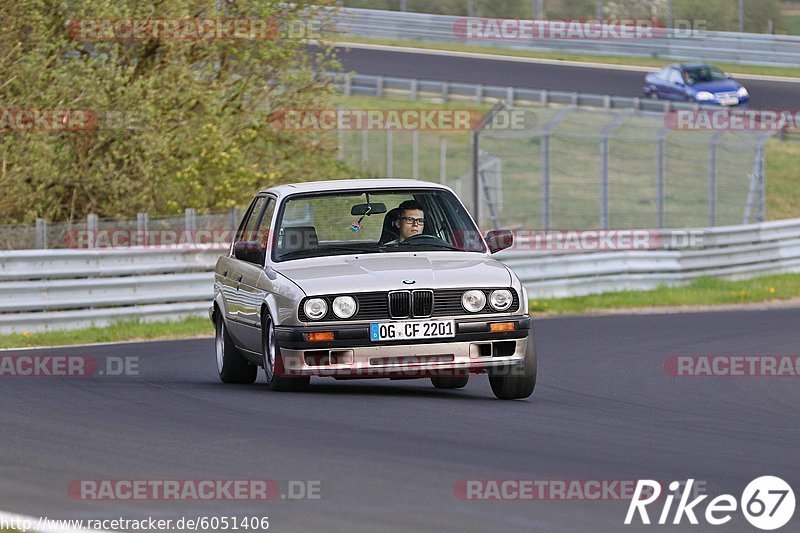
(767, 503)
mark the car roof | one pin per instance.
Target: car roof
(346, 184)
(694, 65)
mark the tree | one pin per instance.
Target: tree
(181, 121)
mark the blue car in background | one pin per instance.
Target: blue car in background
(695, 82)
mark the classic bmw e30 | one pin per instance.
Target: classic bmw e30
(369, 278)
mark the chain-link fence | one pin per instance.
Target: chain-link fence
(565, 167)
(211, 230)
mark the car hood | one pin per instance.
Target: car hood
(384, 272)
(721, 86)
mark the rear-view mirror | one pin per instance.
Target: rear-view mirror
(363, 209)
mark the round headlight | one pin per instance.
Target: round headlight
(500, 300)
(315, 308)
(344, 306)
(473, 301)
(742, 92)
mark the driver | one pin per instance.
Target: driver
(410, 221)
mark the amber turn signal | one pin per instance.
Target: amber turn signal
(320, 336)
(501, 326)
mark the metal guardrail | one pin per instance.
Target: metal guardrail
(729, 252)
(445, 91)
(64, 289)
(730, 47)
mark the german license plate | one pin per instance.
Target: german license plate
(411, 329)
(729, 100)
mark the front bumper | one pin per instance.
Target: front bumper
(352, 354)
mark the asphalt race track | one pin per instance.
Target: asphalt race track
(388, 454)
(765, 94)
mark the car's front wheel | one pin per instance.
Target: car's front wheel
(450, 382)
(273, 364)
(231, 364)
(516, 382)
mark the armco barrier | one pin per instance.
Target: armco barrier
(63, 289)
(728, 47)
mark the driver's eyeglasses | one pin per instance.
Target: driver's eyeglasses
(411, 220)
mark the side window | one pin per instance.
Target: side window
(247, 231)
(675, 76)
(663, 74)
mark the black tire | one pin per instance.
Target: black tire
(232, 367)
(273, 366)
(450, 382)
(516, 383)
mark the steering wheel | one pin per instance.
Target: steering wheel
(422, 239)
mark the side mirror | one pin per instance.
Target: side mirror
(250, 251)
(499, 239)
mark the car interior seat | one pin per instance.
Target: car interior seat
(389, 231)
(298, 238)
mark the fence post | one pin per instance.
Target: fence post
(442, 159)
(415, 154)
(445, 91)
(604, 182)
(479, 93)
(379, 86)
(413, 89)
(762, 178)
(389, 154)
(41, 233)
(91, 229)
(660, 179)
(544, 97)
(339, 137)
(546, 205)
(510, 95)
(364, 148)
(142, 220)
(712, 178)
(234, 219)
(348, 84)
(190, 220)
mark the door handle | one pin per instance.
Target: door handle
(240, 278)
(224, 273)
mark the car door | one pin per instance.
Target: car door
(675, 88)
(251, 296)
(235, 271)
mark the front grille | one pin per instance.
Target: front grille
(426, 303)
(727, 95)
(422, 303)
(399, 304)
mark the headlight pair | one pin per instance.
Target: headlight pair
(343, 307)
(474, 300)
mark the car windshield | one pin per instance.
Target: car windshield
(365, 222)
(703, 74)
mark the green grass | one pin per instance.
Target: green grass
(703, 291)
(654, 62)
(120, 331)
(793, 24)
(783, 179)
